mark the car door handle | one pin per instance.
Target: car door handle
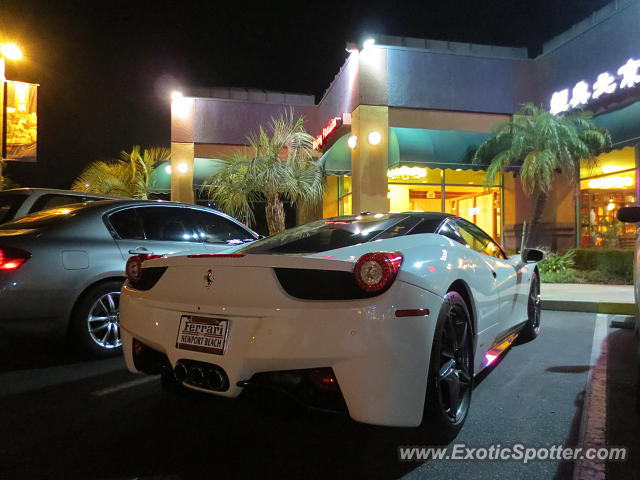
(140, 251)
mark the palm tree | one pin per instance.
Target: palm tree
(127, 176)
(280, 167)
(541, 145)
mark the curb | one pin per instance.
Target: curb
(593, 422)
(590, 307)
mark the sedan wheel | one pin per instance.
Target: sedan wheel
(103, 321)
(95, 326)
(450, 381)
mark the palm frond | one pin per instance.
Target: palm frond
(281, 166)
(541, 144)
(127, 176)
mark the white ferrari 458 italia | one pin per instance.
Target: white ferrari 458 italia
(385, 316)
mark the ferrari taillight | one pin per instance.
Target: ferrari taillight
(12, 258)
(375, 272)
(133, 270)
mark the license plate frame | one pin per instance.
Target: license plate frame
(203, 334)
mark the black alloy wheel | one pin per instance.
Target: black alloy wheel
(451, 371)
(531, 329)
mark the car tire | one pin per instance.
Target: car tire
(94, 328)
(531, 328)
(450, 371)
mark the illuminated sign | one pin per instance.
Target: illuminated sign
(611, 182)
(606, 84)
(407, 172)
(333, 125)
(20, 131)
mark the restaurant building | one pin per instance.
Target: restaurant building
(397, 127)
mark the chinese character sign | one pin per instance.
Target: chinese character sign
(605, 84)
(22, 121)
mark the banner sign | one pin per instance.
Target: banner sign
(327, 131)
(21, 129)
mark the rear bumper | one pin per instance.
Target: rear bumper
(380, 361)
(27, 306)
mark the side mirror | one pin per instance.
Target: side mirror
(629, 214)
(532, 255)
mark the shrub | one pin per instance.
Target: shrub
(611, 261)
(556, 263)
(565, 276)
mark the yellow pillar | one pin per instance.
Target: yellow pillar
(369, 160)
(182, 172)
(182, 148)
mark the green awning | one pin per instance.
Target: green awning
(203, 168)
(433, 148)
(414, 147)
(623, 124)
(337, 160)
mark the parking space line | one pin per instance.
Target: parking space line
(593, 427)
(124, 386)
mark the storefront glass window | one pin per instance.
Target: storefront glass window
(462, 193)
(464, 177)
(615, 161)
(407, 174)
(602, 195)
(344, 196)
(479, 205)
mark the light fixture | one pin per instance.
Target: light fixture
(369, 42)
(167, 169)
(610, 206)
(375, 138)
(10, 51)
(352, 142)
(407, 172)
(606, 183)
(183, 167)
(176, 95)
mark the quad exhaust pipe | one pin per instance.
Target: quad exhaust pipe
(202, 375)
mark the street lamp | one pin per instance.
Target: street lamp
(9, 51)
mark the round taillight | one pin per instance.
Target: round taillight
(134, 269)
(376, 271)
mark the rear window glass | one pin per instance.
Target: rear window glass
(330, 234)
(9, 205)
(51, 200)
(41, 219)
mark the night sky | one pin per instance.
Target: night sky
(106, 69)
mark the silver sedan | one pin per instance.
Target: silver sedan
(61, 270)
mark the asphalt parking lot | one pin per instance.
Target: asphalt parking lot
(65, 418)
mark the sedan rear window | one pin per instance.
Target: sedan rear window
(9, 205)
(333, 233)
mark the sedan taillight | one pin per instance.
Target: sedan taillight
(375, 272)
(12, 258)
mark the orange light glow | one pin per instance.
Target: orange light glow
(12, 265)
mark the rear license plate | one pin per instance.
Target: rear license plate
(202, 334)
